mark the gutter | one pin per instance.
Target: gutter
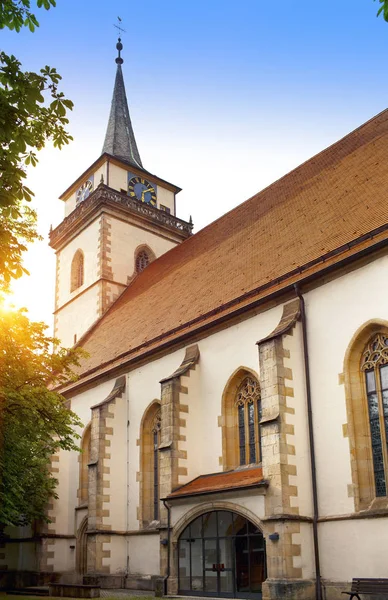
(165, 580)
(318, 589)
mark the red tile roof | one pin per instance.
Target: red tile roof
(220, 482)
(326, 210)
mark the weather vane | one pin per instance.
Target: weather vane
(119, 26)
(119, 45)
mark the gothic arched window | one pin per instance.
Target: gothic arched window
(374, 364)
(142, 261)
(248, 408)
(77, 271)
(149, 464)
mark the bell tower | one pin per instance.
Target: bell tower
(119, 217)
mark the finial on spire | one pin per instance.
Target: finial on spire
(119, 45)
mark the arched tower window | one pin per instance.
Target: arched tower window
(375, 367)
(84, 458)
(149, 464)
(77, 271)
(142, 261)
(241, 414)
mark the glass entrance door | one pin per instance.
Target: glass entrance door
(221, 554)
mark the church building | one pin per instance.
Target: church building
(235, 393)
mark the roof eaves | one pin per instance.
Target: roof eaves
(262, 483)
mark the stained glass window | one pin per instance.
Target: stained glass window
(142, 261)
(375, 366)
(249, 413)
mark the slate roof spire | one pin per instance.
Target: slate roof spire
(119, 139)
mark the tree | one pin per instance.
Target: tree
(32, 112)
(383, 9)
(36, 422)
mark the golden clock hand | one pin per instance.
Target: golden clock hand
(142, 194)
(145, 191)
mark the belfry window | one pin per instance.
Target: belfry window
(77, 271)
(248, 406)
(375, 366)
(142, 261)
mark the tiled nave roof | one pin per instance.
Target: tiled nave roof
(317, 215)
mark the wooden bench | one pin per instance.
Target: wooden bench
(368, 586)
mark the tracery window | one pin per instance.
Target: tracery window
(77, 271)
(248, 406)
(142, 261)
(375, 366)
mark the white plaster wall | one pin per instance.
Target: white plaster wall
(306, 561)
(87, 241)
(70, 204)
(76, 318)
(334, 313)
(125, 238)
(64, 515)
(144, 554)
(118, 178)
(166, 198)
(97, 175)
(64, 556)
(354, 548)
(118, 555)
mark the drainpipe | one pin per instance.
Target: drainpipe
(127, 477)
(168, 508)
(318, 589)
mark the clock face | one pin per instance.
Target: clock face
(142, 190)
(84, 191)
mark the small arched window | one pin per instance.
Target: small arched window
(374, 364)
(142, 261)
(77, 271)
(248, 408)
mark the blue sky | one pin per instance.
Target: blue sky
(215, 88)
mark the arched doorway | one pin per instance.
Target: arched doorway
(221, 553)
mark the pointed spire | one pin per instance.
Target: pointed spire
(120, 139)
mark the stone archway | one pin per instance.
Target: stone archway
(219, 551)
